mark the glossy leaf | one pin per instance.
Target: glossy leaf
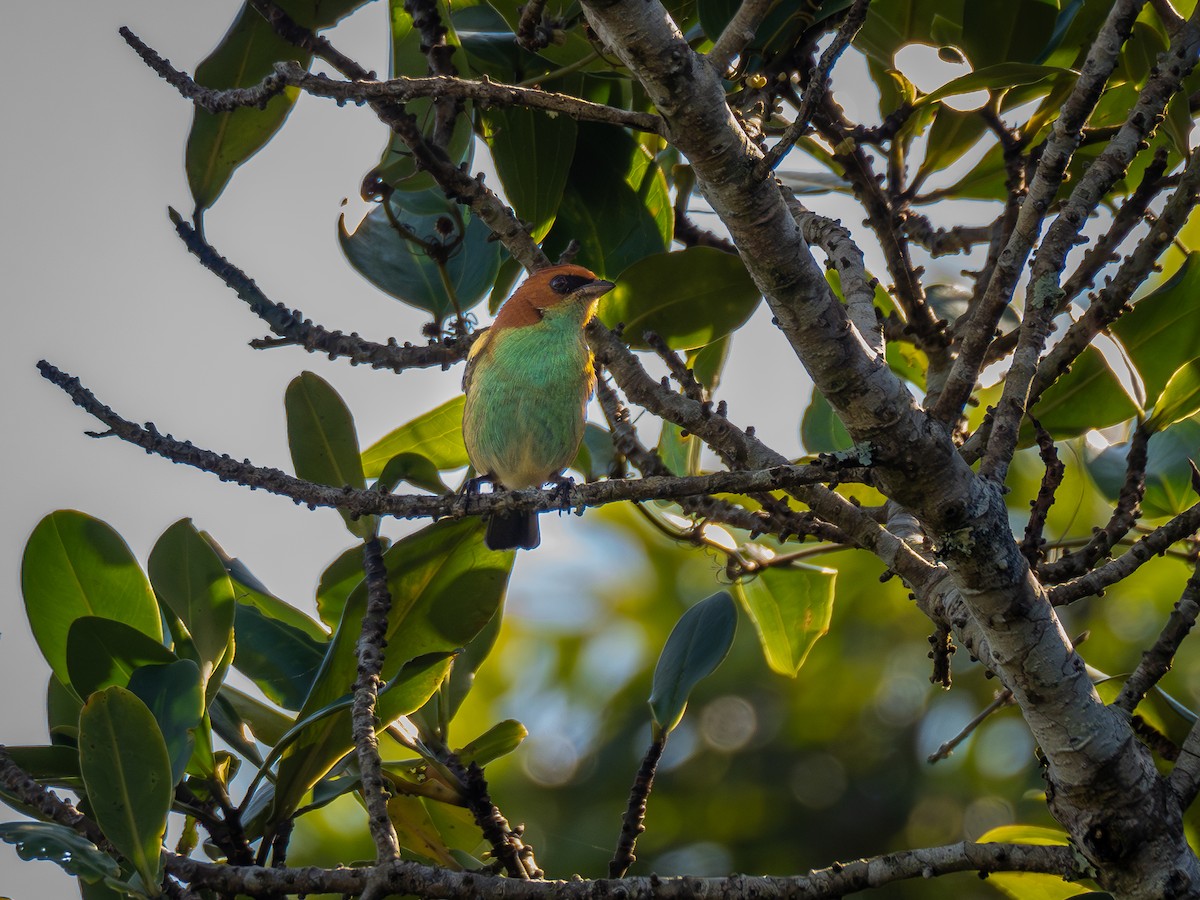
(1162, 331)
(1089, 396)
(791, 609)
(279, 658)
(690, 298)
(532, 151)
(62, 845)
(174, 694)
(337, 581)
(1180, 399)
(417, 470)
(446, 586)
(323, 736)
(596, 453)
(127, 773)
(996, 31)
(191, 580)
(249, 591)
(616, 203)
(75, 566)
(104, 652)
(821, 431)
(220, 142)
(323, 442)
(1168, 469)
(695, 647)
(499, 740)
(436, 435)
(400, 267)
(993, 78)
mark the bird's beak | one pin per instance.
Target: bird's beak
(594, 290)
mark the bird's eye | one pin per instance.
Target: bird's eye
(565, 284)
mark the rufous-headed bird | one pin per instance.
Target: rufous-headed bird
(528, 381)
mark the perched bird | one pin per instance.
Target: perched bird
(528, 381)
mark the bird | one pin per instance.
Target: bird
(528, 381)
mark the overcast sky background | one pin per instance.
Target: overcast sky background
(97, 282)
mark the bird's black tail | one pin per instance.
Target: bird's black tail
(509, 530)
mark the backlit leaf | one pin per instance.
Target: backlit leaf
(791, 609)
(436, 435)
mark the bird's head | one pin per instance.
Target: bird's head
(552, 292)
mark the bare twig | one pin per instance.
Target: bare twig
(1156, 661)
(635, 810)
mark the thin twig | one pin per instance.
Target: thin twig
(1156, 661)
(635, 810)
(1003, 698)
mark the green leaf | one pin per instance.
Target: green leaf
(708, 362)
(104, 652)
(695, 647)
(891, 24)
(267, 723)
(951, 135)
(446, 586)
(436, 435)
(790, 608)
(417, 470)
(337, 581)
(62, 845)
(616, 203)
(1168, 469)
(596, 453)
(690, 297)
(127, 773)
(75, 566)
(993, 78)
(323, 442)
(499, 740)
(680, 454)
(1030, 885)
(191, 580)
(51, 765)
(249, 591)
(219, 143)
(998, 31)
(1089, 396)
(1180, 399)
(417, 833)
(62, 708)
(174, 693)
(821, 431)
(399, 266)
(407, 690)
(532, 151)
(279, 658)
(1162, 331)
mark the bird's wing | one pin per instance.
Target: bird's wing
(477, 348)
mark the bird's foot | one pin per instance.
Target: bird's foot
(562, 491)
(470, 489)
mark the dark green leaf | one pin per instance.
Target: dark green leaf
(532, 151)
(1168, 469)
(52, 765)
(267, 723)
(446, 586)
(1162, 332)
(249, 591)
(62, 707)
(1089, 396)
(1180, 399)
(323, 442)
(436, 435)
(175, 695)
(998, 31)
(596, 453)
(707, 362)
(952, 134)
(191, 580)
(690, 298)
(680, 454)
(790, 608)
(821, 431)
(399, 266)
(75, 566)
(280, 659)
(337, 581)
(104, 652)
(127, 773)
(696, 646)
(62, 845)
(417, 470)
(892, 24)
(616, 203)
